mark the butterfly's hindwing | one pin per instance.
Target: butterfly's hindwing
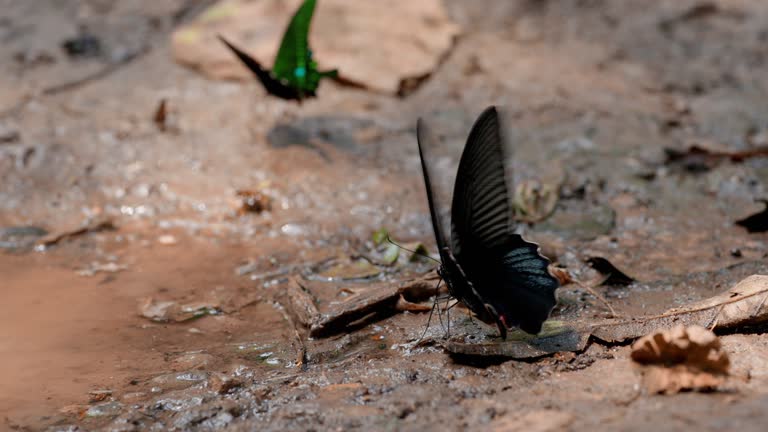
(515, 280)
(274, 86)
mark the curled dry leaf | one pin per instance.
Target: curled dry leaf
(404, 305)
(253, 201)
(534, 201)
(756, 222)
(161, 115)
(613, 276)
(561, 274)
(683, 358)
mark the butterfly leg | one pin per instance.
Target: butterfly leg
(448, 318)
(435, 304)
(500, 322)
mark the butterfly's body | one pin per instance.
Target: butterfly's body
(295, 75)
(499, 276)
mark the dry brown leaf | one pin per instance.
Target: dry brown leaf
(404, 305)
(375, 299)
(682, 358)
(377, 44)
(693, 346)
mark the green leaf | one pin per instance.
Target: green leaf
(418, 251)
(391, 254)
(380, 236)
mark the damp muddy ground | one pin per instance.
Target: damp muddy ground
(169, 310)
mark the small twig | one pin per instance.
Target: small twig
(598, 296)
(96, 226)
(99, 74)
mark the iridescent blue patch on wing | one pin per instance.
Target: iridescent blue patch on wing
(300, 72)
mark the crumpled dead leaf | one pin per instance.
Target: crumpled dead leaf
(682, 358)
(379, 45)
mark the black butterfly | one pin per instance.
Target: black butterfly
(499, 276)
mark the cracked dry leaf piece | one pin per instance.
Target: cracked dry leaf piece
(682, 358)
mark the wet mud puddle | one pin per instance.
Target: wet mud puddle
(70, 336)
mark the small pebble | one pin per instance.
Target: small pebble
(167, 239)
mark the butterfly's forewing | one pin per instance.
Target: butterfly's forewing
(293, 63)
(481, 212)
(438, 197)
(507, 272)
(273, 86)
(437, 203)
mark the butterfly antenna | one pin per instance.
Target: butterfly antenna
(415, 252)
(597, 295)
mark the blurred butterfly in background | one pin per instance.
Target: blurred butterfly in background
(294, 75)
(500, 277)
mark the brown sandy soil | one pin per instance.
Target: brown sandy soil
(596, 89)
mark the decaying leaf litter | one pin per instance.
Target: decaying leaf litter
(635, 88)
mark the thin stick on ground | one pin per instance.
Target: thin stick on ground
(598, 296)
